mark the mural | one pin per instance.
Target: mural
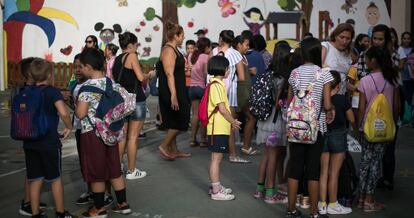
(59, 27)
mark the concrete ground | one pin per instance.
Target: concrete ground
(179, 188)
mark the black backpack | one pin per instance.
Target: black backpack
(348, 179)
(261, 96)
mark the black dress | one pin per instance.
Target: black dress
(171, 119)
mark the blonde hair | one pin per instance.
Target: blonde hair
(40, 69)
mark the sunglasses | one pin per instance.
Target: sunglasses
(88, 41)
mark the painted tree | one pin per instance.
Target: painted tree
(303, 5)
(169, 12)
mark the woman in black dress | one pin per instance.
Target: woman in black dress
(174, 104)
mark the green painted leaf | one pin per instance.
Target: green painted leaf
(23, 5)
(149, 14)
(189, 3)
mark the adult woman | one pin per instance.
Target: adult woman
(404, 51)
(173, 100)
(260, 44)
(91, 42)
(336, 53)
(236, 69)
(198, 64)
(128, 73)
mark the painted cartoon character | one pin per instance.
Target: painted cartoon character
(228, 7)
(147, 51)
(257, 20)
(373, 16)
(122, 3)
(107, 35)
(349, 6)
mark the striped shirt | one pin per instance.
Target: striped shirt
(306, 74)
(234, 57)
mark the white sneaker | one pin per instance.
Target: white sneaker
(222, 195)
(227, 190)
(136, 174)
(322, 209)
(338, 209)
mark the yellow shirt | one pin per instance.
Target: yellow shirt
(353, 74)
(218, 95)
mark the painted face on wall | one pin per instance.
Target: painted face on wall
(107, 36)
(372, 15)
(255, 16)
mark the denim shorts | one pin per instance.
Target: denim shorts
(140, 112)
(336, 141)
(196, 93)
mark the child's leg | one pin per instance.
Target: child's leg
(263, 166)
(122, 143)
(214, 170)
(335, 165)
(57, 191)
(280, 165)
(98, 189)
(295, 171)
(232, 138)
(323, 179)
(194, 120)
(166, 144)
(35, 187)
(120, 190)
(292, 191)
(248, 129)
(378, 150)
(134, 127)
(313, 188)
(271, 171)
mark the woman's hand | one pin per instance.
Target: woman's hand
(65, 133)
(174, 103)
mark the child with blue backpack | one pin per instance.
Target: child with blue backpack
(43, 154)
(100, 161)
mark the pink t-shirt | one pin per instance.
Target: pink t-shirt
(370, 88)
(109, 66)
(198, 72)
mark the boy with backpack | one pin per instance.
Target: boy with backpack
(35, 118)
(97, 99)
(220, 121)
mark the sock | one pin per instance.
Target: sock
(269, 192)
(98, 199)
(121, 196)
(323, 203)
(260, 187)
(332, 204)
(216, 187)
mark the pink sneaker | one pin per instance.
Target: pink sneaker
(276, 199)
(258, 194)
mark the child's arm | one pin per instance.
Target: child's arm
(227, 115)
(65, 116)
(327, 103)
(351, 118)
(81, 109)
(397, 104)
(361, 108)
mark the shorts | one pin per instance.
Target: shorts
(43, 164)
(100, 162)
(140, 112)
(218, 143)
(196, 93)
(336, 141)
(305, 160)
(243, 96)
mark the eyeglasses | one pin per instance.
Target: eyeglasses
(88, 41)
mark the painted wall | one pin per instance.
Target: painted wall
(73, 20)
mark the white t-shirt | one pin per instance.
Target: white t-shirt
(339, 61)
(76, 121)
(404, 52)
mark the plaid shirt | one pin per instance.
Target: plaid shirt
(362, 66)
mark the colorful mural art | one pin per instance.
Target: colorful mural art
(56, 28)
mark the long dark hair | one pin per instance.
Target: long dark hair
(394, 32)
(411, 37)
(227, 36)
(357, 45)
(201, 45)
(311, 51)
(383, 59)
(127, 38)
(280, 64)
(94, 40)
(387, 35)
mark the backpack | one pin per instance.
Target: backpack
(29, 119)
(302, 117)
(348, 179)
(261, 96)
(115, 104)
(203, 106)
(379, 124)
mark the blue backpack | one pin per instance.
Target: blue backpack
(29, 120)
(115, 104)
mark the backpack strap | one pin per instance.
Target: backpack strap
(212, 113)
(375, 84)
(122, 68)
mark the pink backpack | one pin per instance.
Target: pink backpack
(203, 107)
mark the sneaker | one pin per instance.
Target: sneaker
(338, 209)
(222, 195)
(122, 208)
(85, 198)
(65, 214)
(41, 215)
(276, 199)
(258, 194)
(295, 213)
(298, 197)
(137, 174)
(108, 200)
(26, 209)
(227, 190)
(95, 213)
(142, 136)
(322, 209)
(318, 216)
(304, 202)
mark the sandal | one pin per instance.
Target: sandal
(373, 207)
(193, 144)
(250, 151)
(165, 155)
(360, 203)
(237, 159)
(203, 145)
(181, 154)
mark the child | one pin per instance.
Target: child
(25, 208)
(219, 125)
(333, 153)
(110, 55)
(305, 158)
(100, 162)
(383, 78)
(43, 157)
(272, 132)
